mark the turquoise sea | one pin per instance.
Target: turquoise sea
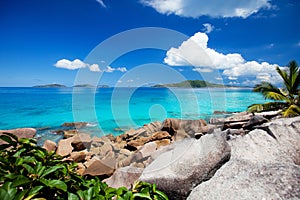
(113, 110)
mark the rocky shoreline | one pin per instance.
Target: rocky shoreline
(243, 156)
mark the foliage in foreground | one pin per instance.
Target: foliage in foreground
(28, 171)
(287, 98)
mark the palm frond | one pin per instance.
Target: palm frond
(291, 111)
(269, 91)
(266, 106)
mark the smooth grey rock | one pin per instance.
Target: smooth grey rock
(263, 165)
(192, 161)
(245, 180)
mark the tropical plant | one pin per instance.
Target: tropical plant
(28, 171)
(286, 98)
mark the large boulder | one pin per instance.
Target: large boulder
(20, 133)
(191, 162)
(245, 180)
(124, 177)
(264, 164)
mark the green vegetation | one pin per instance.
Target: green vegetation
(191, 83)
(28, 171)
(287, 98)
(50, 86)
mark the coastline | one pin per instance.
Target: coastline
(144, 153)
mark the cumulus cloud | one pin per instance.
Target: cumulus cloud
(196, 53)
(213, 8)
(78, 64)
(208, 28)
(71, 65)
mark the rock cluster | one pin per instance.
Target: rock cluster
(244, 156)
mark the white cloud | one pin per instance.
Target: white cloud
(195, 52)
(122, 69)
(130, 81)
(202, 70)
(213, 8)
(208, 28)
(109, 69)
(78, 64)
(94, 68)
(71, 65)
(101, 3)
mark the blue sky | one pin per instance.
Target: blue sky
(238, 43)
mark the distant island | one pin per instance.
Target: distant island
(50, 86)
(85, 85)
(192, 83)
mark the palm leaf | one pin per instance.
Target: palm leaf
(266, 106)
(291, 111)
(269, 91)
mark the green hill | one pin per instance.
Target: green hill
(191, 83)
(50, 86)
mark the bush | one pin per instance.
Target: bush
(28, 171)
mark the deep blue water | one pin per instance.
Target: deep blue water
(109, 109)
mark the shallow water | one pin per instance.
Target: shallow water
(112, 110)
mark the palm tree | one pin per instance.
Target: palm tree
(286, 98)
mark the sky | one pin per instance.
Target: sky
(145, 42)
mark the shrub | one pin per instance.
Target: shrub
(28, 171)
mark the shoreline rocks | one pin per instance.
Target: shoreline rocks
(192, 159)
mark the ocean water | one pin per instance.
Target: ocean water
(113, 110)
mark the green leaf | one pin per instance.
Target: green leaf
(140, 195)
(72, 196)
(8, 140)
(18, 153)
(54, 184)
(19, 161)
(39, 169)
(34, 191)
(28, 168)
(20, 180)
(51, 170)
(8, 194)
(21, 195)
(161, 194)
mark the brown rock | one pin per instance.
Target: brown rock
(138, 142)
(125, 152)
(189, 126)
(160, 135)
(64, 147)
(148, 149)
(180, 135)
(79, 156)
(105, 149)
(162, 142)
(75, 124)
(81, 141)
(49, 145)
(96, 167)
(69, 133)
(80, 169)
(20, 133)
(124, 176)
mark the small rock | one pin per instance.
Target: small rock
(77, 125)
(81, 141)
(64, 147)
(49, 145)
(96, 167)
(148, 149)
